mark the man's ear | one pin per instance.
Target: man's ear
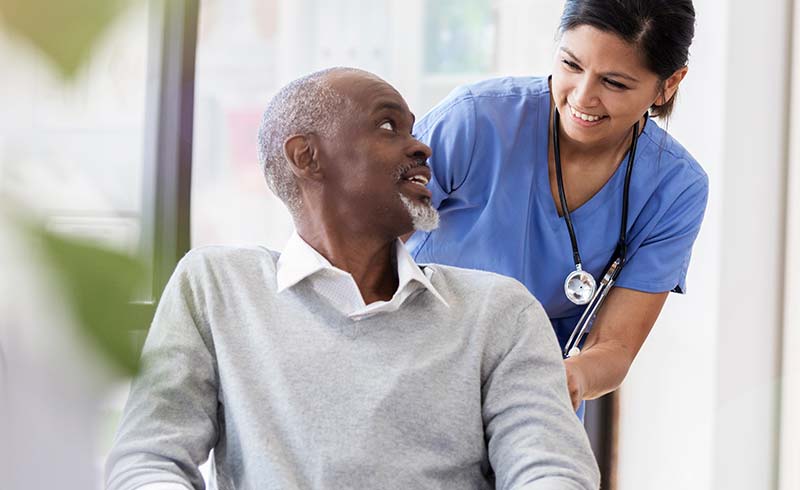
(671, 85)
(300, 151)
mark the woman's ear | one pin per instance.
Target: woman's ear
(301, 153)
(670, 86)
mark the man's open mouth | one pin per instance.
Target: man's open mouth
(417, 178)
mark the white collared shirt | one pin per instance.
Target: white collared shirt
(299, 261)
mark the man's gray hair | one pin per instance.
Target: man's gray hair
(306, 105)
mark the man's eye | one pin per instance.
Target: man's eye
(387, 125)
(571, 65)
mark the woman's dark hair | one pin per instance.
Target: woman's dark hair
(662, 30)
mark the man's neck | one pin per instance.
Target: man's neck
(370, 260)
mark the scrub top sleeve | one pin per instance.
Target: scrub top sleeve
(662, 260)
(449, 129)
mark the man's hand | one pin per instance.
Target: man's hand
(576, 382)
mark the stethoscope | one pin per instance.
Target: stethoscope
(580, 286)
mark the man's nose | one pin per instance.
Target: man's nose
(419, 150)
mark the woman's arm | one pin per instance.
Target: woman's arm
(622, 325)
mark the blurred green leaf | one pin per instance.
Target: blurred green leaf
(64, 30)
(99, 284)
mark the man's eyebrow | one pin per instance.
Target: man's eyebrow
(387, 105)
(607, 74)
(392, 106)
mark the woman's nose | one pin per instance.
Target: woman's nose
(584, 94)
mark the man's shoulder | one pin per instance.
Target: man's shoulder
(499, 309)
(228, 259)
(473, 283)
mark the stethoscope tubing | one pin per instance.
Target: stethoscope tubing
(576, 256)
(617, 261)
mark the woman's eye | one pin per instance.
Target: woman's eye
(387, 125)
(616, 84)
(571, 65)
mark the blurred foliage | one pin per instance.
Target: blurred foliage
(99, 284)
(65, 31)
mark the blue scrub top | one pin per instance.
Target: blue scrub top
(491, 186)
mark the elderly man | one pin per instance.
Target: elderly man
(340, 363)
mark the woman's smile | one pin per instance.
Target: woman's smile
(585, 119)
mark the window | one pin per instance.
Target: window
(247, 49)
(460, 36)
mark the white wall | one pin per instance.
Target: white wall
(748, 352)
(699, 409)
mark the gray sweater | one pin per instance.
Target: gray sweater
(291, 394)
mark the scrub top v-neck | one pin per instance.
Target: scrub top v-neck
(492, 189)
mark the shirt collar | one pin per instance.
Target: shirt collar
(408, 270)
(300, 260)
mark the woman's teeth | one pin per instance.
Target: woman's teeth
(585, 117)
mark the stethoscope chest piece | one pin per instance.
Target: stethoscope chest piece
(580, 287)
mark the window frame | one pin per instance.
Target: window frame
(167, 175)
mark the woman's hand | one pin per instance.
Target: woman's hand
(621, 327)
(576, 382)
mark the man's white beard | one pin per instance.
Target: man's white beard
(423, 216)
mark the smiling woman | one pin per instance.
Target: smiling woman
(603, 97)
(529, 181)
